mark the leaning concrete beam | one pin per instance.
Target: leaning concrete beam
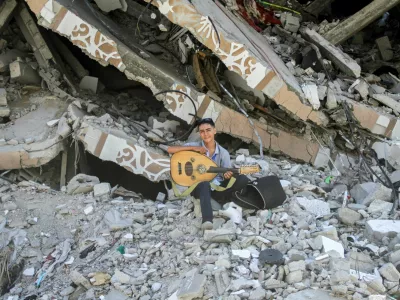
(6, 12)
(342, 60)
(360, 20)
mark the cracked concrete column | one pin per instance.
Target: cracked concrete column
(360, 20)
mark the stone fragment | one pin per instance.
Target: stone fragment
(99, 278)
(110, 5)
(361, 261)
(365, 193)
(115, 295)
(311, 294)
(293, 277)
(245, 254)
(81, 184)
(121, 277)
(29, 272)
(297, 266)
(322, 91)
(327, 245)
(394, 257)
(389, 272)
(257, 294)
(4, 111)
(156, 286)
(3, 97)
(311, 94)
(102, 190)
(379, 206)
(176, 234)
(24, 74)
(79, 279)
(348, 216)
(192, 286)
(8, 57)
(243, 283)
(290, 22)
(342, 60)
(362, 88)
(219, 235)
(331, 100)
(385, 48)
(376, 230)
(316, 207)
(67, 291)
(91, 83)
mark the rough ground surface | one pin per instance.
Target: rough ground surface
(102, 247)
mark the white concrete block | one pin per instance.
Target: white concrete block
(329, 245)
(101, 189)
(378, 229)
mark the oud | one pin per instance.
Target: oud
(189, 167)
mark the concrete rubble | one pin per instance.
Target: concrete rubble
(91, 92)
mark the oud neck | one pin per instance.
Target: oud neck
(222, 170)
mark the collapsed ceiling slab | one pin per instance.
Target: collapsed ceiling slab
(108, 50)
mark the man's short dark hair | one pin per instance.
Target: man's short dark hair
(205, 121)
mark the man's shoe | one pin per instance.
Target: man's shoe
(207, 226)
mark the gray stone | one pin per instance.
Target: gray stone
(176, 234)
(322, 91)
(102, 190)
(91, 83)
(361, 261)
(357, 207)
(379, 206)
(316, 207)
(385, 48)
(3, 97)
(67, 291)
(293, 277)
(115, 295)
(395, 176)
(367, 192)
(81, 184)
(221, 235)
(290, 23)
(79, 279)
(257, 294)
(297, 266)
(192, 286)
(339, 264)
(394, 257)
(340, 277)
(376, 89)
(348, 216)
(376, 230)
(362, 89)
(389, 272)
(156, 286)
(311, 294)
(23, 73)
(243, 283)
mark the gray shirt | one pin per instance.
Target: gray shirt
(220, 157)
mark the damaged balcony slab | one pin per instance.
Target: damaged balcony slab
(243, 51)
(30, 142)
(158, 77)
(118, 147)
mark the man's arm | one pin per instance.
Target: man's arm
(175, 149)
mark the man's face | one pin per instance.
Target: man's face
(207, 132)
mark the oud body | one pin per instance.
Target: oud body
(189, 167)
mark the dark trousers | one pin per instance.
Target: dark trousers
(204, 193)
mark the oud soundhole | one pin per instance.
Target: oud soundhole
(188, 168)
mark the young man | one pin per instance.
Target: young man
(220, 156)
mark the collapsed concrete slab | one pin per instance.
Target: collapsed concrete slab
(7, 9)
(29, 142)
(158, 77)
(117, 147)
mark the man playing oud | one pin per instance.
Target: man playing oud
(220, 156)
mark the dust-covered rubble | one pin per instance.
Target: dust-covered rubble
(94, 244)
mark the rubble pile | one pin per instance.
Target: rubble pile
(87, 242)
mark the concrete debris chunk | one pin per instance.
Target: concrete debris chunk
(3, 97)
(389, 272)
(23, 73)
(328, 245)
(110, 5)
(311, 94)
(102, 190)
(192, 286)
(342, 60)
(91, 83)
(385, 48)
(379, 206)
(316, 207)
(376, 230)
(348, 216)
(81, 184)
(388, 101)
(365, 193)
(290, 22)
(8, 57)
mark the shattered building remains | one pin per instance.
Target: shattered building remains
(92, 92)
